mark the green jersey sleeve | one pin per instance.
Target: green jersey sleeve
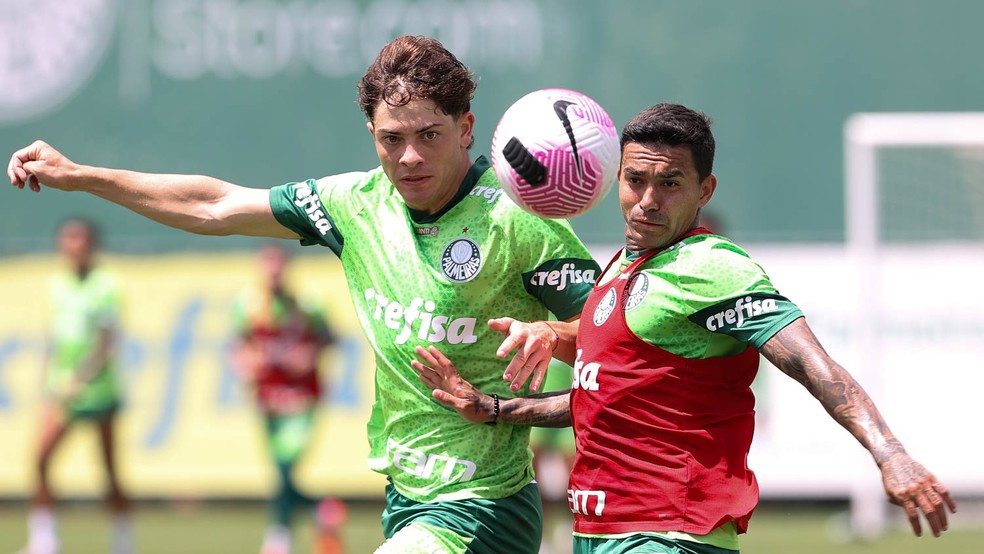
(564, 270)
(705, 298)
(301, 207)
(735, 297)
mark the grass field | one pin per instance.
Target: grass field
(237, 528)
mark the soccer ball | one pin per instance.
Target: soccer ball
(556, 153)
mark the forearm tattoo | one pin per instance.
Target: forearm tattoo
(798, 353)
(551, 409)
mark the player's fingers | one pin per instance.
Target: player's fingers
(423, 354)
(522, 375)
(539, 374)
(15, 167)
(444, 398)
(511, 342)
(944, 493)
(912, 514)
(15, 172)
(925, 503)
(436, 360)
(439, 356)
(501, 324)
(936, 514)
(32, 183)
(514, 366)
(426, 374)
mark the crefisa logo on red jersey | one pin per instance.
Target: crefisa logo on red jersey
(461, 260)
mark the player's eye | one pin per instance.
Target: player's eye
(389, 139)
(430, 135)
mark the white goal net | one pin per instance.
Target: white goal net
(915, 232)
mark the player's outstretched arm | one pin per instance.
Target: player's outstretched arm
(796, 351)
(94, 363)
(193, 203)
(550, 409)
(535, 344)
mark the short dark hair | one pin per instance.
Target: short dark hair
(674, 125)
(414, 67)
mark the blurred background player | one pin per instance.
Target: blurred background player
(279, 347)
(553, 452)
(80, 380)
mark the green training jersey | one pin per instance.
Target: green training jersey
(418, 280)
(703, 297)
(80, 310)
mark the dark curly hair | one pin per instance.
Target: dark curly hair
(413, 67)
(674, 125)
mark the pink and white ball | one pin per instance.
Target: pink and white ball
(556, 153)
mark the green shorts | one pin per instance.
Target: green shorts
(643, 543)
(289, 435)
(96, 414)
(513, 524)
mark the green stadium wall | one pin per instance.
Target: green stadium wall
(261, 92)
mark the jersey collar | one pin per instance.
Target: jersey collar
(475, 172)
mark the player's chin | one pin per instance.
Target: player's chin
(648, 236)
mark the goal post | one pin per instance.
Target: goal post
(914, 205)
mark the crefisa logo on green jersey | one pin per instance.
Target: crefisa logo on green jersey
(461, 260)
(308, 200)
(734, 313)
(418, 318)
(567, 274)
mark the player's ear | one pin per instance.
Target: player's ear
(466, 126)
(707, 187)
(369, 128)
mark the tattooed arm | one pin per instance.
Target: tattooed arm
(549, 409)
(797, 352)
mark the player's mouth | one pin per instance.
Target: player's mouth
(647, 224)
(414, 180)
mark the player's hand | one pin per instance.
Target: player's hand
(40, 163)
(450, 389)
(909, 485)
(534, 343)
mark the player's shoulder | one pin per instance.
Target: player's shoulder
(714, 265)
(705, 259)
(355, 191)
(351, 181)
(98, 280)
(504, 211)
(712, 250)
(105, 276)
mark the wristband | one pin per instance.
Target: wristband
(495, 410)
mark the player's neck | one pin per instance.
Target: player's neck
(82, 271)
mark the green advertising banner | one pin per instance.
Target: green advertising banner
(260, 92)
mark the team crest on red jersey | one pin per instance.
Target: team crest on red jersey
(604, 308)
(638, 288)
